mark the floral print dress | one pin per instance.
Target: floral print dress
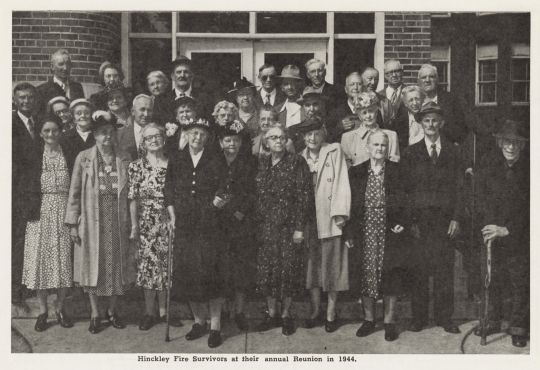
(146, 184)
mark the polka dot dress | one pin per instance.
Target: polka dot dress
(374, 234)
(47, 247)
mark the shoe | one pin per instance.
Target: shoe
(95, 325)
(311, 323)
(241, 321)
(146, 323)
(416, 326)
(116, 321)
(173, 321)
(197, 331)
(451, 328)
(490, 330)
(41, 323)
(367, 328)
(288, 326)
(519, 341)
(214, 340)
(331, 326)
(63, 319)
(390, 332)
(268, 323)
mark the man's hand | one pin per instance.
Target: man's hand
(218, 202)
(348, 123)
(398, 229)
(453, 229)
(349, 243)
(492, 232)
(74, 235)
(415, 230)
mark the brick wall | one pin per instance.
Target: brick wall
(408, 39)
(90, 38)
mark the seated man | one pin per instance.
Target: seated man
(504, 190)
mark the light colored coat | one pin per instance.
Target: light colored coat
(354, 146)
(83, 210)
(332, 190)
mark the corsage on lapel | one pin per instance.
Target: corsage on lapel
(171, 129)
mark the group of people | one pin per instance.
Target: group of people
(318, 185)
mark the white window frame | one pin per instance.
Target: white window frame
(447, 60)
(512, 73)
(477, 77)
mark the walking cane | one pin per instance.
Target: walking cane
(169, 276)
(485, 319)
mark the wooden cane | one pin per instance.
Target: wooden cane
(485, 320)
(169, 276)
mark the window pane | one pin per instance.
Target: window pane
(354, 22)
(151, 22)
(488, 70)
(520, 92)
(521, 50)
(487, 93)
(443, 86)
(521, 69)
(214, 22)
(291, 22)
(442, 71)
(352, 55)
(280, 60)
(149, 55)
(487, 51)
(440, 52)
(217, 71)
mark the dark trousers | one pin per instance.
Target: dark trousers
(510, 276)
(18, 230)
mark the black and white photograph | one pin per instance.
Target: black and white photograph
(283, 185)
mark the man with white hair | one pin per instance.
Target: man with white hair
(409, 130)
(316, 73)
(129, 137)
(393, 73)
(455, 128)
(60, 84)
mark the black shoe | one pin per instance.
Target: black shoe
(41, 323)
(390, 332)
(519, 341)
(367, 328)
(288, 326)
(175, 322)
(116, 321)
(268, 323)
(241, 321)
(95, 325)
(63, 319)
(197, 331)
(451, 328)
(146, 323)
(416, 326)
(214, 340)
(331, 326)
(490, 330)
(310, 323)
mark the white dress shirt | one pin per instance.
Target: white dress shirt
(196, 158)
(293, 113)
(416, 131)
(27, 124)
(137, 131)
(64, 86)
(186, 93)
(319, 89)
(272, 96)
(83, 134)
(426, 100)
(437, 146)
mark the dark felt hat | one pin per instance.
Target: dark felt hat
(309, 124)
(242, 84)
(429, 107)
(103, 121)
(512, 130)
(200, 123)
(114, 86)
(230, 129)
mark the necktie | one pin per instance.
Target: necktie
(181, 95)
(434, 155)
(394, 97)
(31, 127)
(267, 102)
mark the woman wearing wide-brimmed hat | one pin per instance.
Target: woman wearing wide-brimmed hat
(504, 202)
(192, 181)
(98, 217)
(117, 100)
(243, 95)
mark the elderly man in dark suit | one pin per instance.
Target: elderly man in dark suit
(405, 125)
(456, 128)
(316, 73)
(129, 137)
(504, 202)
(60, 84)
(269, 93)
(432, 180)
(393, 73)
(24, 154)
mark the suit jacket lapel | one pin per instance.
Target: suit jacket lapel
(90, 164)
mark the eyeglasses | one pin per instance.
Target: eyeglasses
(394, 72)
(158, 137)
(63, 111)
(265, 78)
(276, 138)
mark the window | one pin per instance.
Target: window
(354, 22)
(486, 74)
(440, 14)
(291, 22)
(214, 22)
(440, 58)
(521, 73)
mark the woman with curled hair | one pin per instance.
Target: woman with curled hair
(225, 113)
(327, 265)
(284, 203)
(158, 84)
(108, 73)
(267, 119)
(376, 228)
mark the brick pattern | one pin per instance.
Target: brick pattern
(90, 38)
(408, 39)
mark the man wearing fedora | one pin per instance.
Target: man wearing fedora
(432, 180)
(289, 112)
(316, 73)
(269, 93)
(503, 179)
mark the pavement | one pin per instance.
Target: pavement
(431, 340)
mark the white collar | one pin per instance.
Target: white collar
(23, 117)
(196, 158)
(429, 144)
(186, 93)
(411, 117)
(272, 94)
(62, 84)
(82, 134)
(319, 89)
(434, 100)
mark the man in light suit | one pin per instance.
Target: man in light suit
(455, 128)
(269, 93)
(432, 179)
(393, 73)
(60, 84)
(290, 112)
(129, 137)
(370, 79)
(24, 154)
